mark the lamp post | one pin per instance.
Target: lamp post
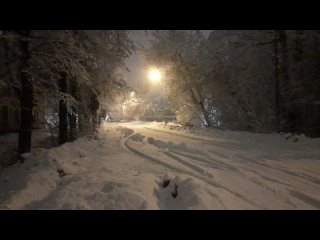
(163, 101)
(155, 76)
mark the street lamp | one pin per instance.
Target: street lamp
(155, 76)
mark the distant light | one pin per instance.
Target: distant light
(154, 75)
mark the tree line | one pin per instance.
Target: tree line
(252, 80)
(71, 72)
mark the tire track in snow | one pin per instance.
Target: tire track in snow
(190, 165)
(218, 154)
(199, 177)
(253, 180)
(282, 179)
(155, 160)
(279, 169)
(184, 136)
(199, 159)
(214, 162)
(306, 198)
(270, 179)
(297, 175)
(219, 164)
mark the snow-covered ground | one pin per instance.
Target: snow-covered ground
(9, 144)
(139, 165)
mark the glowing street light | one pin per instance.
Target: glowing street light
(154, 75)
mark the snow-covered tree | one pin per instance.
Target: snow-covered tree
(72, 69)
(253, 80)
(178, 53)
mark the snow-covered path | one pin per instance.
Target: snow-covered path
(126, 165)
(241, 170)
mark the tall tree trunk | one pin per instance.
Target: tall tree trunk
(63, 113)
(72, 126)
(198, 100)
(80, 120)
(72, 117)
(205, 114)
(277, 79)
(94, 106)
(298, 53)
(4, 121)
(297, 90)
(283, 81)
(26, 112)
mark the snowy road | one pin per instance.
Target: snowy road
(244, 173)
(126, 165)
